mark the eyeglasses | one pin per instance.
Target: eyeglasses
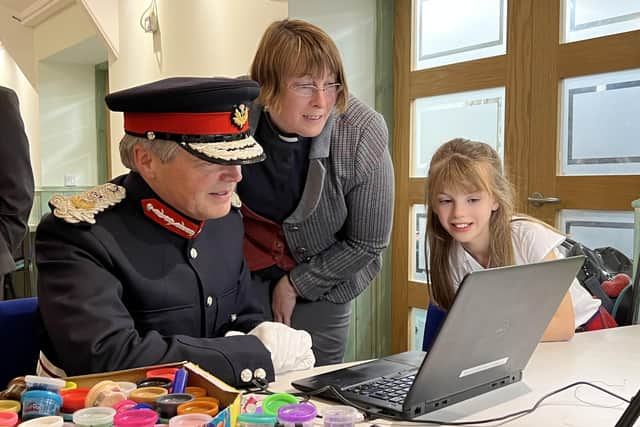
(307, 90)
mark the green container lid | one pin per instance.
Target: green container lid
(271, 404)
(257, 419)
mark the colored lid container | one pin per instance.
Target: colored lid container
(298, 413)
(167, 405)
(189, 420)
(168, 373)
(340, 416)
(147, 395)
(69, 385)
(40, 403)
(136, 418)
(124, 405)
(256, 420)
(98, 416)
(50, 421)
(10, 405)
(73, 399)
(201, 405)
(8, 418)
(272, 403)
(195, 391)
(35, 382)
(155, 382)
(126, 386)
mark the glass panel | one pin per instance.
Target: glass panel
(451, 31)
(419, 227)
(597, 229)
(477, 115)
(417, 318)
(600, 127)
(587, 19)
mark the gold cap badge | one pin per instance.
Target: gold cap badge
(240, 115)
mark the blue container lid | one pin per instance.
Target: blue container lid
(42, 394)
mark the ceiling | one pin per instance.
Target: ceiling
(18, 5)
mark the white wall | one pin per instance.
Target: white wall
(65, 29)
(196, 38)
(11, 76)
(68, 124)
(352, 25)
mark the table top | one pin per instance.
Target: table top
(608, 358)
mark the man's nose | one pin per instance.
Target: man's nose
(232, 173)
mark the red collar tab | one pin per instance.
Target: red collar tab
(170, 219)
(221, 123)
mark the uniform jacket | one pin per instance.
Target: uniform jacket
(16, 180)
(343, 222)
(126, 292)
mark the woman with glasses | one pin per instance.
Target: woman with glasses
(318, 210)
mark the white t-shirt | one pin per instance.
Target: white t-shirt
(531, 243)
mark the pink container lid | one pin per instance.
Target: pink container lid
(8, 418)
(124, 405)
(136, 418)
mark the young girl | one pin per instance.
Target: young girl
(471, 226)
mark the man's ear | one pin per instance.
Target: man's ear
(144, 161)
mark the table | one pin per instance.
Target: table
(609, 358)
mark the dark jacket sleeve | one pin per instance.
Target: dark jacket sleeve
(16, 179)
(91, 329)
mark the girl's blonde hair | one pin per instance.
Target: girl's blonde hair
(295, 48)
(469, 166)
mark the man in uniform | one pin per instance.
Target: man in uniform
(159, 276)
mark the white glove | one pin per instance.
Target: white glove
(290, 348)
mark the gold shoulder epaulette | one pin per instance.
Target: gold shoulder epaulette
(235, 200)
(84, 206)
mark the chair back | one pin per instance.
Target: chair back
(20, 337)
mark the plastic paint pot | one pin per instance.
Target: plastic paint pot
(40, 403)
(73, 399)
(168, 373)
(340, 416)
(272, 403)
(201, 405)
(50, 421)
(167, 405)
(190, 420)
(155, 382)
(10, 406)
(256, 420)
(136, 418)
(8, 418)
(35, 382)
(195, 391)
(94, 417)
(147, 395)
(297, 415)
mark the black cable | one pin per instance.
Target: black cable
(369, 414)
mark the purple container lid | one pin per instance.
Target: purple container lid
(297, 413)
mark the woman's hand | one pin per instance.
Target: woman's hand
(283, 300)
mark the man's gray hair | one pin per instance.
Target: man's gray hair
(165, 150)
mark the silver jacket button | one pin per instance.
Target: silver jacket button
(246, 375)
(260, 374)
(233, 317)
(209, 301)
(193, 253)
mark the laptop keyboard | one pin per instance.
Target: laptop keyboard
(392, 390)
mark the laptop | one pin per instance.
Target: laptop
(494, 325)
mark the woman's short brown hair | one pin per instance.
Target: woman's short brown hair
(293, 48)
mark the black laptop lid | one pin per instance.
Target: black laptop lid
(493, 327)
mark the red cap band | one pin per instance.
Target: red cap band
(183, 123)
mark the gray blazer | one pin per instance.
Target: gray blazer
(343, 221)
(16, 180)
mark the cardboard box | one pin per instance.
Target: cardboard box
(229, 397)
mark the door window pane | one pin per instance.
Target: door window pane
(476, 115)
(418, 229)
(451, 31)
(417, 318)
(587, 19)
(597, 229)
(600, 130)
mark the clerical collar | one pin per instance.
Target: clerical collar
(286, 137)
